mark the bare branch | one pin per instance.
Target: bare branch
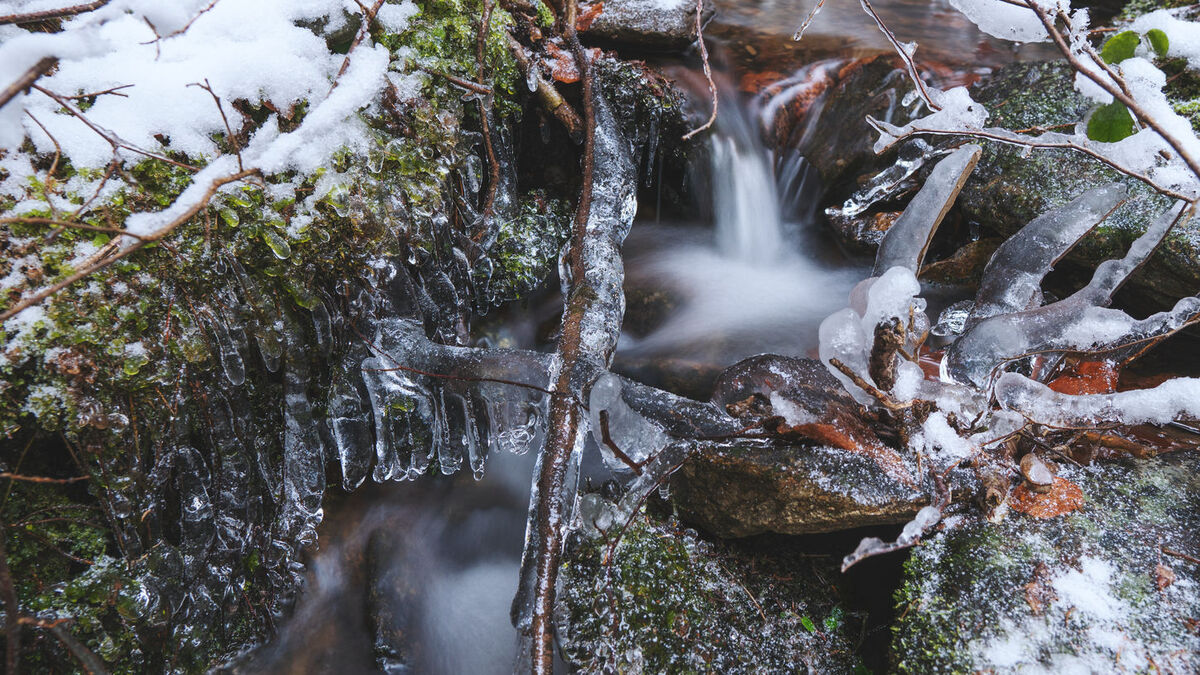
(228, 130)
(905, 56)
(712, 87)
(26, 80)
(49, 14)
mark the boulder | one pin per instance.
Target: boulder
(1110, 587)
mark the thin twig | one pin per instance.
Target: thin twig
(368, 17)
(49, 14)
(485, 110)
(712, 87)
(1182, 556)
(43, 479)
(12, 609)
(221, 109)
(115, 91)
(606, 435)
(884, 399)
(458, 81)
(26, 80)
(905, 56)
(114, 140)
(186, 26)
(99, 264)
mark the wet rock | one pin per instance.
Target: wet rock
(964, 266)
(673, 602)
(1105, 588)
(745, 490)
(1008, 190)
(660, 25)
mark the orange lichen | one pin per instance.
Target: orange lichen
(1063, 497)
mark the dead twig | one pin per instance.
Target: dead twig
(458, 81)
(904, 53)
(368, 17)
(220, 109)
(712, 87)
(113, 139)
(551, 100)
(616, 450)
(26, 80)
(43, 479)
(12, 609)
(485, 110)
(49, 14)
(185, 27)
(114, 91)
(884, 399)
(1182, 556)
(99, 264)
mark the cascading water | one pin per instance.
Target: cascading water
(762, 281)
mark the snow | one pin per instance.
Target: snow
(1184, 36)
(1003, 20)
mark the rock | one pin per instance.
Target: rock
(747, 490)
(1008, 190)
(673, 602)
(1099, 589)
(658, 25)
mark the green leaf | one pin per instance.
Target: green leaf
(808, 624)
(1159, 41)
(834, 619)
(1110, 123)
(1120, 47)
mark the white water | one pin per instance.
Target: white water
(757, 283)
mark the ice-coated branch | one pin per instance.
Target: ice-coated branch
(908, 238)
(1174, 399)
(1078, 323)
(1013, 276)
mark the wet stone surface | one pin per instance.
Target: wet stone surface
(1101, 589)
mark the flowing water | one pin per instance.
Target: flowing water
(434, 563)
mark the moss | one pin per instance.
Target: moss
(970, 589)
(675, 603)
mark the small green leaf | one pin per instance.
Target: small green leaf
(834, 619)
(1110, 123)
(1159, 41)
(808, 624)
(1120, 47)
(101, 239)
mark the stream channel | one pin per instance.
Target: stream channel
(437, 560)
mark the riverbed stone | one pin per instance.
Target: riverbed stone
(745, 490)
(671, 601)
(661, 25)
(1111, 587)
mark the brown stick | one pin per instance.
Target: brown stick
(43, 479)
(12, 609)
(549, 97)
(564, 414)
(485, 109)
(48, 14)
(712, 87)
(221, 109)
(909, 64)
(26, 80)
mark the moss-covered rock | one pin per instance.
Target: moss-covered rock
(1097, 590)
(672, 602)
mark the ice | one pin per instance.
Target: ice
(889, 183)
(633, 435)
(1012, 278)
(1174, 399)
(1076, 323)
(227, 351)
(1005, 20)
(303, 450)
(926, 518)
(906, 241)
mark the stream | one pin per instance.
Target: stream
(434, 563)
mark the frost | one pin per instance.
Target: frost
(1003, 20)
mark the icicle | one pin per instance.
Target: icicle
(227, 352)
(303, 451)
(617, 428)
(908, 239)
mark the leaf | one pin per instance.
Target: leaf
(1159, 42)
(834, 619)
(1064, 497)
(808, 624)
(584, 20)
(1120, 47)
(1110, 123)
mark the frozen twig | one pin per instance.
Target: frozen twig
(904, 53)
(551, 100)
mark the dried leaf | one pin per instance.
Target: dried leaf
(1163, 576)
(1039, 594)
(561, 63)
(588, 15)
(1088, 377)
(1063, 497)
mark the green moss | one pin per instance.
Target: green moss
(674, 603)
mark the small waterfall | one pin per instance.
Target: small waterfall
(746, 205)
(761, 283)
